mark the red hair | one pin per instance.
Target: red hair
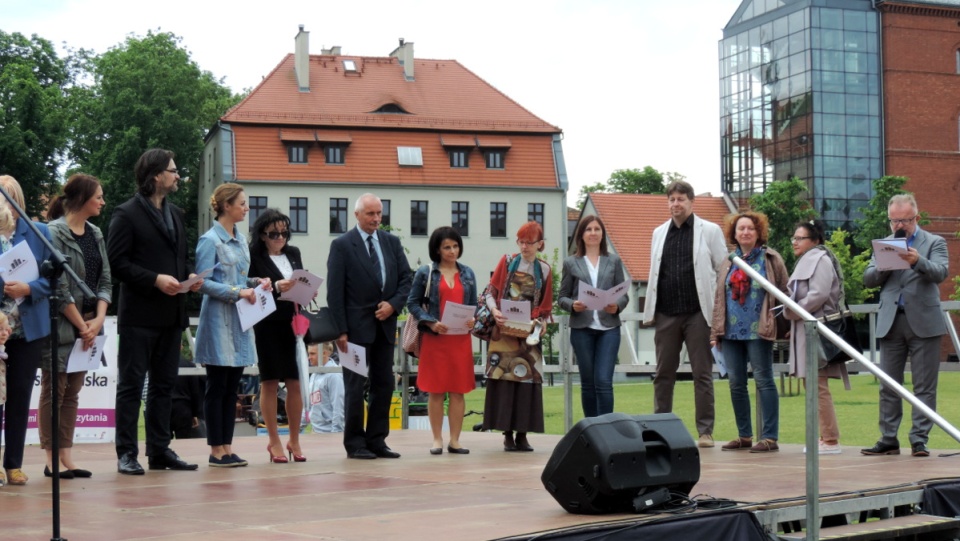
(530, 231)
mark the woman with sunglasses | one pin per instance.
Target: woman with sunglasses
(271, 256)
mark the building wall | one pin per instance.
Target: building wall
(922, 115)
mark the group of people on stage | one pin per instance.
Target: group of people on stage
(707, 301)
(696, 297)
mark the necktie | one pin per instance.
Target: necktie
(375, 261)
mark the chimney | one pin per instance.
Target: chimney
(301, 59)
(332, 51)
(404, 53)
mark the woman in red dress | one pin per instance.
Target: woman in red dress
(446, 354)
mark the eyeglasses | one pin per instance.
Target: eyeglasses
(174, 171)
(904, 221)
(526, 243)
(274, 235)
(798, 239)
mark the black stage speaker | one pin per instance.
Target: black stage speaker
(605, 463)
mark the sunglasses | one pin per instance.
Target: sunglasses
(274, 235)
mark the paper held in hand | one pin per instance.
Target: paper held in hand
(251, 313)
(355, 359)
(518, 323)
(598, 299)
(187, 284)
(18, 265)
(887, 254)
(82, 361)
(457, 317)
(305, 287)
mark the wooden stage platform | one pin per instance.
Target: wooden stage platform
(487, 494)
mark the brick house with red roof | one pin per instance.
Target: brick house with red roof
(437, 143)
(630, 220)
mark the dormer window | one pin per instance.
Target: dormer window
(334, 154)
(391, 109)
(297, 153)
(459, 158)
(493, 158)
(494, 151)
(458, 147)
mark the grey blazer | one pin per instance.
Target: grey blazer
(920, 287)
(609, 274)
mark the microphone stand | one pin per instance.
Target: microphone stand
(51, 269)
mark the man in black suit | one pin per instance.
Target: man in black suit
(147, 249)
(368, 279)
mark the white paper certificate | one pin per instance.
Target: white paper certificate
(80, 360)
(355, 359)
(305, 286)
(516, 310)
(251, 313)
(598, 299)
(457, 317)
(887, 253)
(187, 284)
(18, 265)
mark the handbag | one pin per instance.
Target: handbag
(316, 327)
(484, 325)
(841, 323)
(782, 323)
(411, 337)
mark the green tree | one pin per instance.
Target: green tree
(589, 189)
(147, 92)
(874, 224)
(853, 267)
(33, 132)
(785, 205)
(648, 181)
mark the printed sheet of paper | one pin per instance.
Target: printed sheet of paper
(516, 310)
(18, 265)
(187, 284)
(457, 317)
(887, 252)
(89, 360)
(251, 313)
(598, 299)
(305, 286)
(355, 359)
(718, 358)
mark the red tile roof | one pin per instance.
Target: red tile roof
(444, 95)
(631, 218)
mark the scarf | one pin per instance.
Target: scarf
(740, 283)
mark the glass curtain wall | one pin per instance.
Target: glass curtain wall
(800, 97)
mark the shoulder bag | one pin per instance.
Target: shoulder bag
(410, 340)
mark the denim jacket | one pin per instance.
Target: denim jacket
(419, 285)
(68, 290)
(220, 340)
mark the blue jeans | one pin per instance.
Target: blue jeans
(759, 353)
(596, 353)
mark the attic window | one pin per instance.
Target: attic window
(391, 108)
(410, 156)
(349, 65)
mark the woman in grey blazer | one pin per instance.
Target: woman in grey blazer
(594, 334)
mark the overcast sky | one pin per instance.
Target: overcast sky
(630, 82)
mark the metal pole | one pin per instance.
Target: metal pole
(825, 332)
(813, 429)
(566, 370)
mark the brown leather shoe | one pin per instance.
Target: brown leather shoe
(739, 444)
(765, 446)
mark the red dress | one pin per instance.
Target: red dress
(446, 360)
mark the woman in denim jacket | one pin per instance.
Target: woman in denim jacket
(80, 316)
(446, 359)
(221, 345)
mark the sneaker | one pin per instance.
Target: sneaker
(829, 449)
(765, 446)
(705, 441)
(226, 461)
(739, 444)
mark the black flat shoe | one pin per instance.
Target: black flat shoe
(80, 473)
(437, 451)
(362, 454)
(458, 450)
(64, 474)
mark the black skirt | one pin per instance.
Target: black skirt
(276, 351)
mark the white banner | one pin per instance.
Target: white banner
(96, 421)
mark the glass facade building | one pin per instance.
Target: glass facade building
(800, 96)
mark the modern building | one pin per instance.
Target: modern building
(436, 142)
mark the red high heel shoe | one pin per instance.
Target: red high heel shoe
(276, 459)
(295, 457)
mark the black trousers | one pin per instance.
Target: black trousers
(381, 385)
(23, 360)
(220, 403)
(146, 349)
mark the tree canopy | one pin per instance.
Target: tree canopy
(642, 181)
(33, 120)
(785, 206)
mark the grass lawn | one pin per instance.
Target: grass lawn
(857, 409)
